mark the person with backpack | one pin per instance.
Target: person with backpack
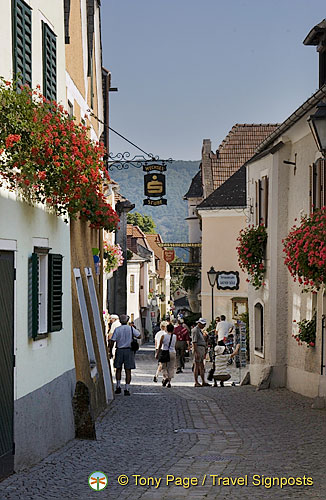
(123, 336)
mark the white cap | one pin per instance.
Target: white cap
(202, 321)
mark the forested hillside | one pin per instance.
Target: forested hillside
(169, 219)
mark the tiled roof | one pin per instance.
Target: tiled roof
(134, 231)
(232, 193)
(196, 187)
(238, 147)
(153, 239)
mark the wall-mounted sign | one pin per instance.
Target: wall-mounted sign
(168, 255)
(227, 280)
(154, 166)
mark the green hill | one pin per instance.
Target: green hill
(169, 219)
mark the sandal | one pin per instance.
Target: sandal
(197, 384)
(205, 384)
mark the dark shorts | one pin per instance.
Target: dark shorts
(124, 357)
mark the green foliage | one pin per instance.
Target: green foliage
(144, 222)
(129, 254)
(190, 281)
(251, 253)
(307, 332)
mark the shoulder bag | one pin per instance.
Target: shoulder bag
(134, 346)
(164, 356)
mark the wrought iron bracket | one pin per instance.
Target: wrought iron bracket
(123, 161)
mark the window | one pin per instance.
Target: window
(70, 109)
(261, 201)
(317, 189)
(22, 42)
(66, 17)
(45, 292)
(49, 63)
(132, 283)
(259, 327)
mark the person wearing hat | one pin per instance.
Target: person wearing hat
(124, 356)
(199, 352)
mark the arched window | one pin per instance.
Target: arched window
(259, 327)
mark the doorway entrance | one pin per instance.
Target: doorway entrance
(6, 363)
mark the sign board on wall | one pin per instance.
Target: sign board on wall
(227, 280)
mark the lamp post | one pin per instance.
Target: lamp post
(317, 123)
(211, 274)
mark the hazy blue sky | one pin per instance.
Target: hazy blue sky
(190, 69)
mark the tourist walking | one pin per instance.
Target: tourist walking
(166, 355)
(199, 352)
(157, 340)
(124, 355)
(182, 343)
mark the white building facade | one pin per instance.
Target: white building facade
(37, 359)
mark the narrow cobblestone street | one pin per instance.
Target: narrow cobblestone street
(188, 432)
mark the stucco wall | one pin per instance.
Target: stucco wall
(220, 229)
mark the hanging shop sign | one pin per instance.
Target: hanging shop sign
(227, 280)
(154, 187)
(168, 255)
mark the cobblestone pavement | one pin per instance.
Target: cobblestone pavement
(187, 432)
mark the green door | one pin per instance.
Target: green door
(6, 363)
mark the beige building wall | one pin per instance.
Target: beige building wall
(220, 229)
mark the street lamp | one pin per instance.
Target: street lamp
(211, 274)
(317, 124)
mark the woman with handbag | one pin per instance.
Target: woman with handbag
(167, 355)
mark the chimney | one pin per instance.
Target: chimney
(206, 168)
(317, 37)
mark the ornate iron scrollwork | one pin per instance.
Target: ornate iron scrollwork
(122, 161)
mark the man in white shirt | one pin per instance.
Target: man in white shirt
(124, 356)
(223, 328)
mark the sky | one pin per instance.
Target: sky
(188, 70)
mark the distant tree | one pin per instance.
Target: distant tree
(144, 222)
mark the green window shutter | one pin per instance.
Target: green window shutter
(22, 41)
(33, 285)
(55, 293)
(49, 63)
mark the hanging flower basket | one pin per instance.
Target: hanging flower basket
(47, 158)
(307, 332)
(305, 250)
(251, 253)
(112, 256)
